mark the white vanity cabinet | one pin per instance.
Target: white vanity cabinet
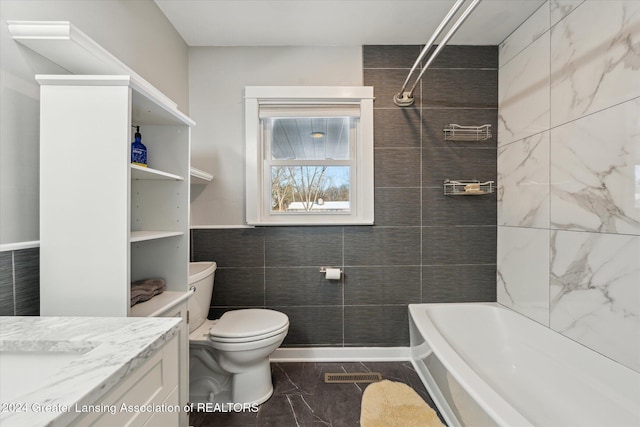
(168, 305)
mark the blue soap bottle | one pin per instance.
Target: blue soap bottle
(138, 150)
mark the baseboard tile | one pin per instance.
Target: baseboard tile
(341, 354)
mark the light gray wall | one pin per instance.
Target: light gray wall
(217, 77)
(134, 31)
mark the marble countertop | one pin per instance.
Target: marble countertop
(104, 350)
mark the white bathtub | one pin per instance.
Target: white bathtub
(486, 365)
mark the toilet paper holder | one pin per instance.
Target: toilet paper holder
(331, 272)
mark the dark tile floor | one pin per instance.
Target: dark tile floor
(301, 398)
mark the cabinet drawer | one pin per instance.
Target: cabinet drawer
(139, 397)
(166, 419)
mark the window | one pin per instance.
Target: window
(309, 155)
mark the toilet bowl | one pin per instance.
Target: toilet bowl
(229, 357)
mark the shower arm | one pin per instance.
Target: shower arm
(405, 99)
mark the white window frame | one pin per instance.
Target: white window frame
(257, 201)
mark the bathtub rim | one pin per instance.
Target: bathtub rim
(496, 407)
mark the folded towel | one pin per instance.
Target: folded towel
(144, 290)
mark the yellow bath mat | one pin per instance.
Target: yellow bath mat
(389, 403)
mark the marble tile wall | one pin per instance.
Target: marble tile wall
(569, 173)
(424, 246)
(20, 282)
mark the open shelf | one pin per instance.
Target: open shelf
(199, 176)
(158, 304)
(141, 236)
(142, 173)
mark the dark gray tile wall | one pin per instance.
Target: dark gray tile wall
(425, 247)
(7, 306)
(20, 282)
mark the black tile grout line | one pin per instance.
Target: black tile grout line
(13, 280)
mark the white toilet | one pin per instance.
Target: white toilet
(229, 357)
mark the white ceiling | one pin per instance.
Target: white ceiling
(337, 22)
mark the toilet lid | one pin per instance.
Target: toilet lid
(248, 322)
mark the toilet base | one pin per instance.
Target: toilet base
(209, 383)
(253, 386)
(210, 389)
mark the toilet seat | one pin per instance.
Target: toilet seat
(240, 340)
(245, 325)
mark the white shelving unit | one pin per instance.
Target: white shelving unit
(105, 222)
(126, 222)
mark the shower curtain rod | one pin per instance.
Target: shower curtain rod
(405, 99)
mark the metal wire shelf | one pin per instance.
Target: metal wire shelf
(455, 132)
(468, 188)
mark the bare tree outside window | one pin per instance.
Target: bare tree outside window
(307, 183)
(308, 188)
(281, 189)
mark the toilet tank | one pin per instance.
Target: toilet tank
(201, 276)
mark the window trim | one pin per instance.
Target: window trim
(362, 206)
